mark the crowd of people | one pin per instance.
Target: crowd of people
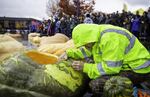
(63, 25)
(138, 24)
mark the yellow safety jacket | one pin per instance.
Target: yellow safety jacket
(114, 49)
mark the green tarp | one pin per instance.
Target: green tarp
(19, 73)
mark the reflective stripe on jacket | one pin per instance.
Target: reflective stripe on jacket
(115, 49)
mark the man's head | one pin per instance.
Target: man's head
(85, 33)
(88, 15)
(89, 45)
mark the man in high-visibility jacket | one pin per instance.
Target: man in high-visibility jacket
(113, 50)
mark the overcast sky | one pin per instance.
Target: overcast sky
(23, 8)
(37, 8)
(114, 5)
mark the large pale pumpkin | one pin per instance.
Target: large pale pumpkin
(56, 49)
(16, 36)
(67, 45)
(8, 46)
(33, 34)
(34, 38)
(51, 48)
(4, 38)
(57, 38)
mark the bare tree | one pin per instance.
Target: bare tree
(70, 7)
(67, 6)
(52, 7)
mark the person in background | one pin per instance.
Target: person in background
(73, 23)
(135, 25)
(148, 15)
(49, 31)
(57, 26)
(87, 19)
(63, 25)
